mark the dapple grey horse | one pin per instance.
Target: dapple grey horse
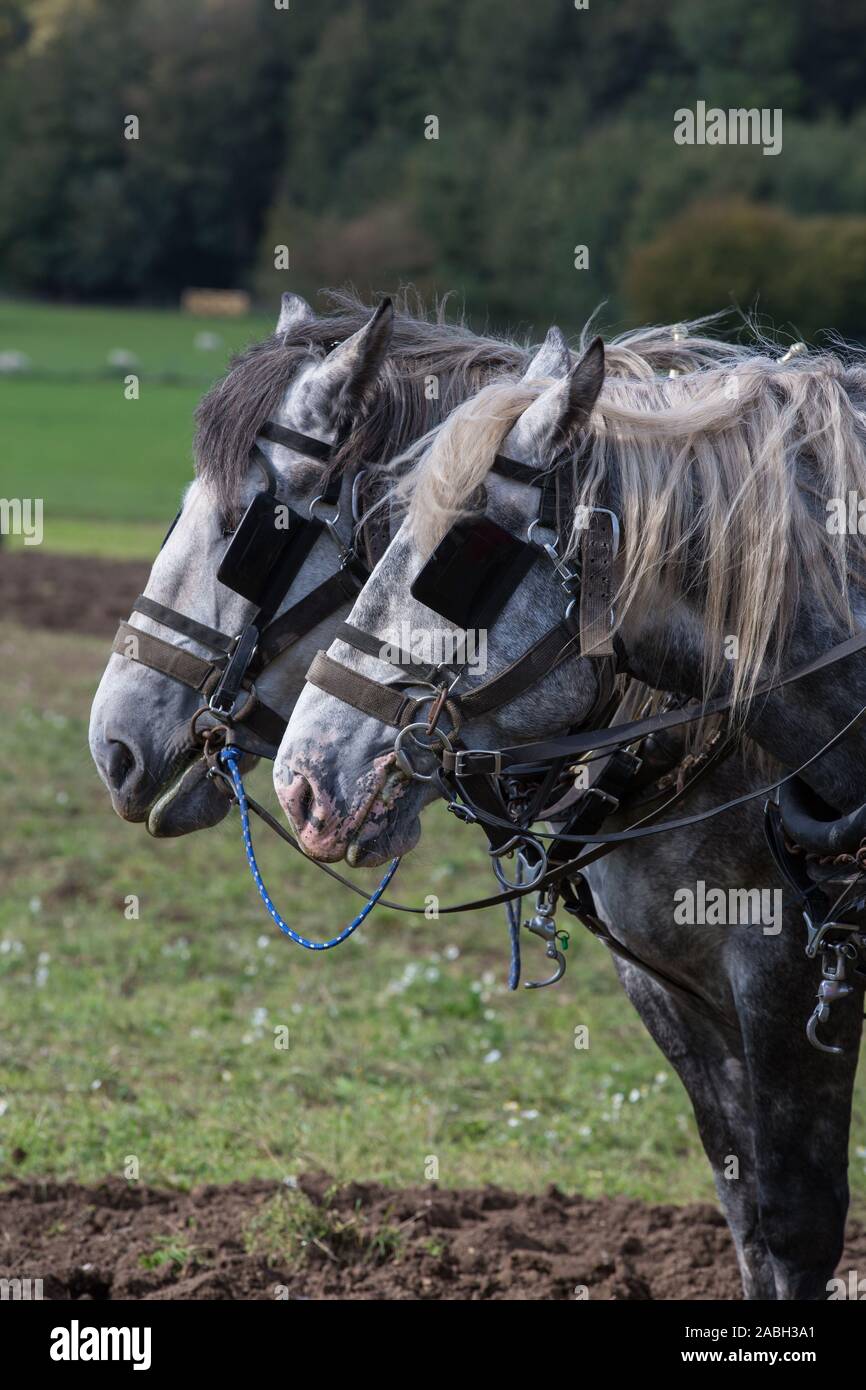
(773, 1113)
(140, 739)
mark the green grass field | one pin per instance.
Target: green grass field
(109, 470)
(155, 1037)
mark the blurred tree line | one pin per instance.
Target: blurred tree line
(305, 127)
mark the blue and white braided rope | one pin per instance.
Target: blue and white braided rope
(229, 758)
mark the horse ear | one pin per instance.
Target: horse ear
(550, 425)
(294, 309)
(350, 370)
(584, 386)
(552, 358)
(575, 399)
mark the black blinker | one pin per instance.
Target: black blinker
(473, 572)
(270, 544)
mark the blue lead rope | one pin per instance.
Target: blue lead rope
(229, 758)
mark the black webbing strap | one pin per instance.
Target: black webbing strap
(311, 448)
(600, 800)
(301, 443)
(553, 485)
(179, 622)
(526, 757)
(305, 615)
(387, 703)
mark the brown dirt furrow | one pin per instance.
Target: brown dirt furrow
(363, 1241)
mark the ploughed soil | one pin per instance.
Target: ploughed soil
(258, 1240)
(76, 593)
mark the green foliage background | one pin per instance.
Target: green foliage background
(306, 127)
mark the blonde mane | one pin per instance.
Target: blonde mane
(720, 472)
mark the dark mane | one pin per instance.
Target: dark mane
(425, 344)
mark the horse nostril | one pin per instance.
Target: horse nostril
(119, 763)
(299, 800)
(303, 801)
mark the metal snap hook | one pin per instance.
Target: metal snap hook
(543, 926)
(832, 988)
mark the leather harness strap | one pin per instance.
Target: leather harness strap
(387, 703)
(553, 486)
(543, 656)
(179, 622)
(526, 757)
(193, 671)
(598, 552)
(389, 652)
(183, 666)
(300, 443)
(306, 614)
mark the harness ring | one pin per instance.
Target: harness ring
(402, 759)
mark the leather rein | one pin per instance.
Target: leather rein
(468, 778)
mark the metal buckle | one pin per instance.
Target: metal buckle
(606, 511)
(612, 801)
(230, 712)
(229, 688)
(491, 762)
(568, 578)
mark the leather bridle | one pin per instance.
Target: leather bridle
(226, 683)
(470, 779)
(589, 588)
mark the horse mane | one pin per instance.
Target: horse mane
(426, 345)
(720, 474)
(436, 361)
